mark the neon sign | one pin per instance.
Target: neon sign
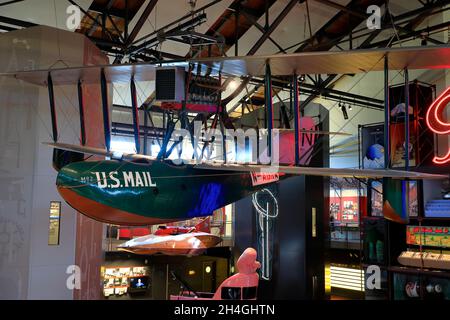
(436, 123)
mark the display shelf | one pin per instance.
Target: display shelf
(435, 220)
(412, 270)
(365, 265)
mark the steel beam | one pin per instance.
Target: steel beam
(89, 16)
(10, 2)
(104, 12)
(176, 22)
(196, 21)
(150, 6)
(16, 22)
(335, 5)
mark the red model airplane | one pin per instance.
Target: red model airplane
(171, 240)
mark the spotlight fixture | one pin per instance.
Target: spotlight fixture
(302, 78)
(344, 112)
(350, 107)
(424, 41)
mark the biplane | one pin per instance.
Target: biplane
(138, 189)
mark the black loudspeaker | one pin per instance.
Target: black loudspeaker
(170, 84)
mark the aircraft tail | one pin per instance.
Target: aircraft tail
(204, 225)
(396, 200)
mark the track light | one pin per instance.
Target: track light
(302, 78)
(350, 107)
(344, 111)
(424, 41)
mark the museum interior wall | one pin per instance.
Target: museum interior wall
(30, 267)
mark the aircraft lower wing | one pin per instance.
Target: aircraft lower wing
(312, 171)
(325, 172)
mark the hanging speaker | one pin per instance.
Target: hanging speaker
(170, 84)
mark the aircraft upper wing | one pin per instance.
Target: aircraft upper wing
(325, 172)
(333, 62)
(88, 74)
(100, 152)
(327, 62)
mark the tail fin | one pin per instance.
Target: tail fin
(396, 200)
(204, 225)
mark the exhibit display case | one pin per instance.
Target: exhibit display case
(348, 203)
(118, 281)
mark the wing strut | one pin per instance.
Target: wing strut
(105, 107)
(296, 118)
(51, 97)
(269, 107)
(134, 103)
(81, 111)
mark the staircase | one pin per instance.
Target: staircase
(437, 208)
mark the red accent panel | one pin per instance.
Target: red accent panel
(192, 107)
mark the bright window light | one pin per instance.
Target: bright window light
(154, 149)
(123, 146)
(233, 85)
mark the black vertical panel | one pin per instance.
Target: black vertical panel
(297, 256)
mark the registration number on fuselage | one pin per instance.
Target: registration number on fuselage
(115, 179)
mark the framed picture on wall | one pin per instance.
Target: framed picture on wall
(376, 198)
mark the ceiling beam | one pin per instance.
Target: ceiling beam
(335, 5)
(10, 2)
(7, 28)
(112, 11)
(16, 22)
(103, 13)
(150, 6)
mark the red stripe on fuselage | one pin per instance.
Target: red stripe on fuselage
(107, 214)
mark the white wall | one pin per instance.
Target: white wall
(29, 268)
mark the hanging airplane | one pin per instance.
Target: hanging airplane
(136, 189)
(170, 240)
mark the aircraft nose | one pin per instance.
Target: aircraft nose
(68, 176)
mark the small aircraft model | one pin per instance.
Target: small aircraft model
(170, 240)
(136, 189)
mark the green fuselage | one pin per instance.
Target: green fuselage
(152, 190)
